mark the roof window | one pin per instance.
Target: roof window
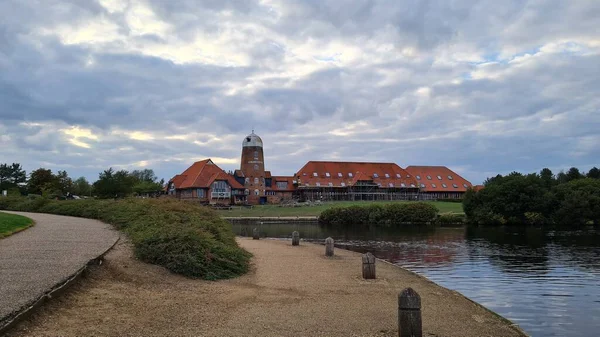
(318, 184)
(350, 174)
(375, 175)
(418, 177)
(343, 184)
(450, 177)
(403, 184)
(408, 176)
(379, 184)
(315, 174)
(433, 185)
(391, 184)
(428, 177)
(439, 177)
(398, 175)
(454, 185)
(387, 175)
(466, 186)
(412, 185)
(340, 174)
(422, 185)
(330, 184)
(327, 174)
(444, 186)
(304, 173)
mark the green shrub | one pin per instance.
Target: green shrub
(389, 215)
(451, 219)
(185, 238)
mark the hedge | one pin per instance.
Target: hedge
(185, 238)
(388, 215)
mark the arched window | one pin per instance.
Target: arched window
(255, 167)
(256, 180)
(256, 192)
(255, 155)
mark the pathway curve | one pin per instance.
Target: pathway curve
(36, 260)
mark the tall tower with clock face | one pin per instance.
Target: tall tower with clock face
(253, 167)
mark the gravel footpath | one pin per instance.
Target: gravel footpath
(34, 261)
(290, 291)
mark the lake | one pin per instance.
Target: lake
(548, 282)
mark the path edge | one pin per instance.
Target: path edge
(8, 322)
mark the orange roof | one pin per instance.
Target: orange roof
(478, 188)
(438, 179)
(339, 174)
(202, 174)
(276, 179)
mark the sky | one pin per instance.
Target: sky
(483, 87)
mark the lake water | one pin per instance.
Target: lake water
(548, 282)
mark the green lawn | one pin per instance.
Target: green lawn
(275, 211)
(10, 224)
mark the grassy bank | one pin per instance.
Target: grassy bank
(185, 238)
(11, 224)
(276, 211)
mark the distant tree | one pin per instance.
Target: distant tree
(82, 187)
(11, 176)
(562, 178)
(113, 184)
(64, 183)
(594, 173)
(146, 175)
(574, 174)
(42, 180)
(5, 175)
(547, 177)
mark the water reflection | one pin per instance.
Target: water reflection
(548, 282)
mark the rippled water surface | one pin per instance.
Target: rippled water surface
(548, 282)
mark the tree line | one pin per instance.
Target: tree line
(570, 199)
(110, 183)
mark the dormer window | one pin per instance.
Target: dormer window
(422, 185)
(340, 175)
(391, 184)
(418, 177)
(387, 175)
(315, 174)
(466, 186)
(375, 175)
(402, 184)
(327, 174)
(350, 174)
(408, 176)
(434, 185)
(412, 185)
(318, 184)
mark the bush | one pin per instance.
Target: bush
(389, 215)
(184, 238)
(451, 219)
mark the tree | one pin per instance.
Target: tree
(64, 183)
(11, 176)
(146, 175)
(41, 180)
(594, 173)
(5, 174)
(82, 187)
(547, 177)
(574, 174)
(111, 184)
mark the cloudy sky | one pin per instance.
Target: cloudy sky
(482, 87)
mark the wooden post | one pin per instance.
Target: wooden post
(295, 238)
(255, 234)
(368, 266)
(409, 314)
(329, 246)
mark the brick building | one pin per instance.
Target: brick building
(439, 182)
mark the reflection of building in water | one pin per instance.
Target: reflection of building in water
(316, 180)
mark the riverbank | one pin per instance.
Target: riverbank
(290, 291)
(316, 209)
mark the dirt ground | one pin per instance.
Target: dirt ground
(291, 291)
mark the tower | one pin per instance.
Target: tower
(253, 167)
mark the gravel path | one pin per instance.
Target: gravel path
(33, 261)
(290, 291)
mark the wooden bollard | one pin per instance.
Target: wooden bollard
(329, 246)
(255, 234)
(409, 314)
(368, 266)
(295, 238)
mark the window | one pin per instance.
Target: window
(256, 180)
(398, 175)
(422, 185)
(434, 185)
(340, 174)
(315, 174)
(379, 184)
(330, 184)
(412, 185)
(444, 186)
(282, 185)
(200, 193)
(428, 177)
(439, 177)
(255, 155)
(220, 186)
(454, 185)
(375, 175)
(304, 174)
(343, 184)
(256, 192)
(391, 184)
(327, 174)
(466, 186)
(306, 184)
(450, 177)
(418, 177)
(387, 175)
(255, 167)
(350, 174)
(403, 184)
(318, 184)
(408, 176)
(247, 180)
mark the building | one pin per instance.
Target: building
(207, 183)
(439, 182)
(328, 180)
(252, 183)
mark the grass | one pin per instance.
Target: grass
(276, 211)
(11, 224)
(185, 238)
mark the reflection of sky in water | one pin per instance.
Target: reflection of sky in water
(547, 283)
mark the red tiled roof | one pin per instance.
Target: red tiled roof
(478, 188)
(435, 177)
(289, 180)
(352, 172)
(202, 174)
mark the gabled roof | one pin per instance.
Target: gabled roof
(387, 175)
(238, 173)
(202, 174)
(433, 177)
